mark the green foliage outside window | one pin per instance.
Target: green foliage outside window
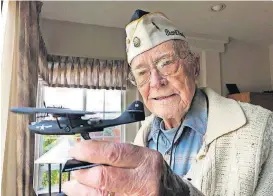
(49, 142)
(54, 178)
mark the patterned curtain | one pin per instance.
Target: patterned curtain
(29, 50)
(43, 70)
(80, 72)
(21, 57)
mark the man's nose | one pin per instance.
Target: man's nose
(156, 80)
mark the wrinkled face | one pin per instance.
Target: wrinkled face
(167, 95)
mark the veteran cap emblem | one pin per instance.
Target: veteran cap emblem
(136, 41)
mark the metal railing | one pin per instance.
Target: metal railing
(60, 179)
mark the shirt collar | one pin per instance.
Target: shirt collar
(155, 129)
(196, 118)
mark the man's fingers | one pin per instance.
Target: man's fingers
(108, 178)
(115, 154)
(74, 188)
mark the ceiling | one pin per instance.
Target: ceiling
(247, 21)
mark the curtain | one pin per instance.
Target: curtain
(43, 70)
(20, 77)
(80, 72)
(8, 90)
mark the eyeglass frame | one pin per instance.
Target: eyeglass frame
(177, 57)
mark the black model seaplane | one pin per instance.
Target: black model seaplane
(68, 122)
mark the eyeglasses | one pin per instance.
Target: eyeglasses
(166, 66)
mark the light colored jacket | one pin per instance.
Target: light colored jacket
(236, 158)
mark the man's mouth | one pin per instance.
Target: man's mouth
(164, 97)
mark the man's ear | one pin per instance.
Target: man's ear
(196, 58)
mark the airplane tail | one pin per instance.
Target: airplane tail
(134, 112)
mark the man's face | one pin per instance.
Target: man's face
(166, 96)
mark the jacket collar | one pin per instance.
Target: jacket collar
(224, 116)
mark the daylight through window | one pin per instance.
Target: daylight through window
(106, 103)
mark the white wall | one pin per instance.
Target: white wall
(73, 39)
(247, 65)
(210, 71)
(271, 63)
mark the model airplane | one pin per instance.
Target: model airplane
(69, 122)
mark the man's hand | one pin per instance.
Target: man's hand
(132, 170)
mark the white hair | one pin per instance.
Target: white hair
(182, 50)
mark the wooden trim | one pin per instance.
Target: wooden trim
(243, 97)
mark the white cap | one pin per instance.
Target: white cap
(148, 31)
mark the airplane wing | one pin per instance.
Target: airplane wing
(31, 110)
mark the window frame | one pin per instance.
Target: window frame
(39, 139)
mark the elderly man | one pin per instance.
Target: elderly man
(194, 143)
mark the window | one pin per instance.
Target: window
(107, 104)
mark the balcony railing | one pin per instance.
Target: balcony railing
(60, 179)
